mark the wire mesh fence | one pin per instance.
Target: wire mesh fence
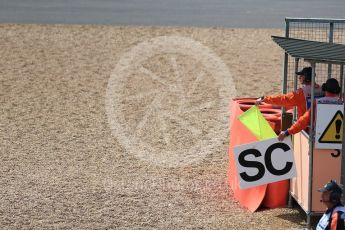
(323, 30)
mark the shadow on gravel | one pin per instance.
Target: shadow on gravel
(299, 217)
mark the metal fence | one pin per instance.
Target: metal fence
(323, 30)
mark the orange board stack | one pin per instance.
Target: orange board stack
(272, 195)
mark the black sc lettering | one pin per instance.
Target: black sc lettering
(251, 164)
(268, 160)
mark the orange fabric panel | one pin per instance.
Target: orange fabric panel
(276, 194)
(250, 198)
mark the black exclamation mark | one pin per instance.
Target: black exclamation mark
(337, 127)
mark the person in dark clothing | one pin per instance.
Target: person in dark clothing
(334, 217)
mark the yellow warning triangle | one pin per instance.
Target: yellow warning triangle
(334, 130)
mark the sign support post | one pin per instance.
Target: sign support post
(311, 147)
(342, 176)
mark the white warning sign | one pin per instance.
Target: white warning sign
(329, 126)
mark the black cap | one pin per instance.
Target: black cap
(306, 71)
(332, 86)
(331, 186)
